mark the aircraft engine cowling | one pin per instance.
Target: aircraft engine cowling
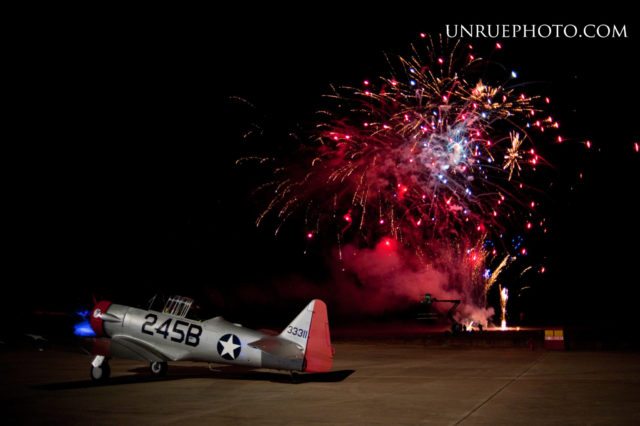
(96, 321)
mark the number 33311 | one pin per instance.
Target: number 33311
(299, 332)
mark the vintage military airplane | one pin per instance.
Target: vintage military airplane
(158, 337)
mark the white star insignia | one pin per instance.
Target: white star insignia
(229, 347)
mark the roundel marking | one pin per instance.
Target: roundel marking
(229, 347)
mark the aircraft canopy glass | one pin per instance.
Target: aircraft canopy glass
(178, 306)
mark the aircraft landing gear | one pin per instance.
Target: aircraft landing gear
(100, 370)
(159, 368)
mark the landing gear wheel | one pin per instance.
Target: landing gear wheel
(159, 368)
(100, 373)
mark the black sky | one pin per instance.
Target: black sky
(123, 180)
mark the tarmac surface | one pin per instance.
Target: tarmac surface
(372, 383)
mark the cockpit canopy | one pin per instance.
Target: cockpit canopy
(178, 306)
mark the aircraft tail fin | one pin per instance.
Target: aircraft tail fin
(310, 330)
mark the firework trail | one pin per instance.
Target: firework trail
(504, 297)
(434, 157)
(492, 278)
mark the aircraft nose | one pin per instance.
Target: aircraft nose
(95, 319)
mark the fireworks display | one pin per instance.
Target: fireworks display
(504, 297)
(435, 159)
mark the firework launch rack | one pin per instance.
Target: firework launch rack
(427, 313)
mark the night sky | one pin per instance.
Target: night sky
(123, 182)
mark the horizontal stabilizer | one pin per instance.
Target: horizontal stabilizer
(279, 347)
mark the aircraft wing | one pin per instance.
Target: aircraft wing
(130, 347)
(279, 347)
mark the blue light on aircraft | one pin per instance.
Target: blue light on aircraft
(83, 329)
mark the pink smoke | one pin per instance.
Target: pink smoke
(389, 279)
(382, 280)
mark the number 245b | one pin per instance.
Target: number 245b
(190, 337)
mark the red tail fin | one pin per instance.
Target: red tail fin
(319, 354)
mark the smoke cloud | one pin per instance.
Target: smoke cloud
(383, 280)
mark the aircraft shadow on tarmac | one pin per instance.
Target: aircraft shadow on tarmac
(143, 375)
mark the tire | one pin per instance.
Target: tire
(159, 368)
(100, 373)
